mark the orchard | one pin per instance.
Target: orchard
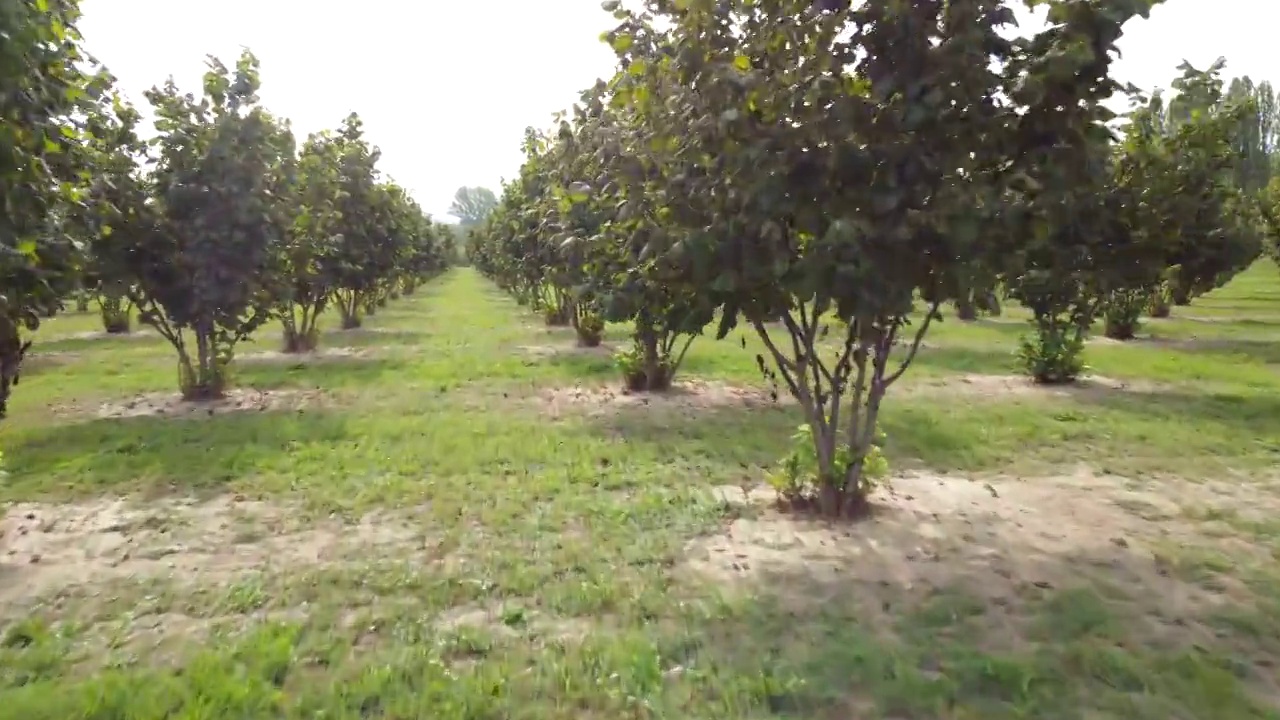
(882, 359)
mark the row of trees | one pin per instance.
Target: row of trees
(216, 225)
(831, 175)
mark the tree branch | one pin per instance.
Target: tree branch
(915, 345)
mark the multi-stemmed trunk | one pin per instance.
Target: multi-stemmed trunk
(1161, 302)
(115, 314)
(588, 325)
(349, 307)
(841, 400)
(1122, 313)
(204, 376)
(1053, 353)
(558, 308)
(301, 326)
(656, 353)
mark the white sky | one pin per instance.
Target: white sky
(447, 88)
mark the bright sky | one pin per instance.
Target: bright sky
(447, 88)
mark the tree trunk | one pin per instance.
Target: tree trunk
(653, 372)
(12, 352)
(989, 303)
(1052, 356)
(349, 309)
(204, 380)
(299, 335)
(115, 315)
(966, 309)
(1118, 328)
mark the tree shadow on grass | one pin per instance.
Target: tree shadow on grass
(1233, 297)
(757, 432)
(1013, 327)
(568, 360)
(1266, 351)
(731, 435)
(326, 374)
(1231, 320)
(373, 336)
(155, 453)
(1246, 416)
(1235, 305)
(38, 363)
(962, 359)
(95, 340)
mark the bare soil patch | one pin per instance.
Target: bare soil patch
(135, 334)
(171, 405)
(373, 332)
(1001, 541)
(512, 620)
(55, 547)
(692, 395)
(689, 395)
(995, 386)
(36, 362)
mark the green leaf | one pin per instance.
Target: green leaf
(622, 42)
(742, 62)
(28, 248)
(724, 282)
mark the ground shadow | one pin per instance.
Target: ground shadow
(1013, 327)
(974, 603)
(1242, 297)
(757, 431)
(1239, 304)
(96, 340)
(372, 336)
(569, 360)
(962, 359)
(1266, 351)
(1255, 416)
(188, 455)
(338, 372)
(1228, 320)
(730, 435)
(38, 363)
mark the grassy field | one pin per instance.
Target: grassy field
(449, 514)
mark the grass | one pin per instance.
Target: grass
(416, 530)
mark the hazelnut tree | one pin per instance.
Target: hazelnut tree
(46, 86)
(204, 274)
(834, 162)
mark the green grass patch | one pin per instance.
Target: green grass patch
(430, 521)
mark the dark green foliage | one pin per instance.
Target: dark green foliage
(44, 92)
